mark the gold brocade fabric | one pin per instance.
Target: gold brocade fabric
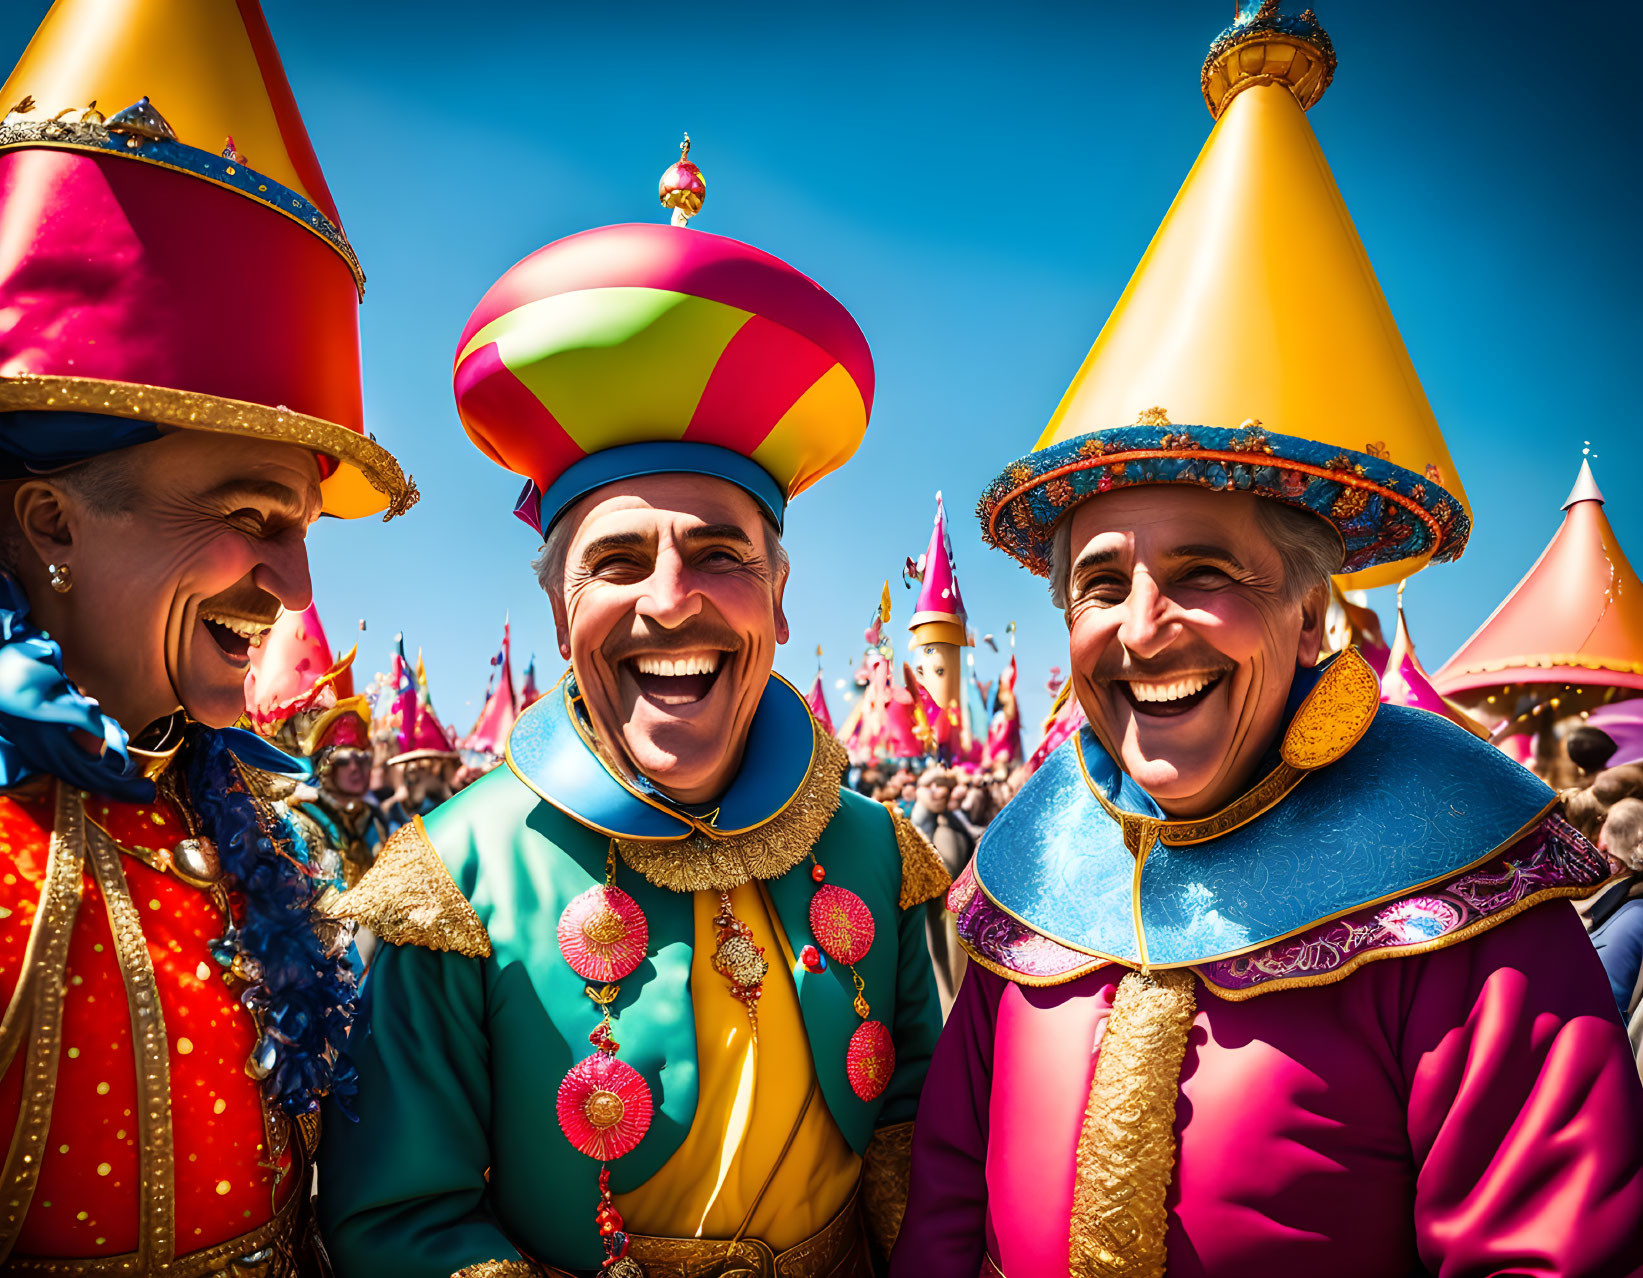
(749, 1100)
(1126, 1151)
(923, 876)
(707, 862)
(408, 897)
(885, 1175)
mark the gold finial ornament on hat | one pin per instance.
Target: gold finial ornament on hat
(682, 187)
(1269, 48)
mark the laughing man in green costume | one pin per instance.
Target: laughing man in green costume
(656, 996)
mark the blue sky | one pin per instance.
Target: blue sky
(976, 184)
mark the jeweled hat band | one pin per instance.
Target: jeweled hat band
(1382, 512)
(140, 132)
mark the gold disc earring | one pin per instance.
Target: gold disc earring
(62, 579)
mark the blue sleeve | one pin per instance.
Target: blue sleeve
(1622, 953)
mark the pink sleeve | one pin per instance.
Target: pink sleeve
(944, 1232)
(1525, 1109)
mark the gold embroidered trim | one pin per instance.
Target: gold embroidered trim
(156, 1206)
(923, 876)
(166, 406)
(1126, 1150)
(1335, 715)
(408, 897)
(36, 1009)
(704, 863)
(1475, 928)
(884, 1179)
(502, 1269)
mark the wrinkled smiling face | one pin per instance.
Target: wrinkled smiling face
(672, 610)
(172, 585)
(1184, 639)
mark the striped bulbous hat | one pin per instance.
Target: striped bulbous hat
(643, 349)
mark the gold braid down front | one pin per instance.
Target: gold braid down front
(1126, 1151)
(705, 862)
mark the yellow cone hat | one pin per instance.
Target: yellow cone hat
(1253, 348)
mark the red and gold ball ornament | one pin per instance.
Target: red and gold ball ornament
(870, 1060)
(604, 1106)
(682, 188)
(843, 927)
(603, 934)
(842, 924)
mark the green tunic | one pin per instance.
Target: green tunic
(458, 1156)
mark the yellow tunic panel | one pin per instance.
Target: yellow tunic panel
(750, 1101)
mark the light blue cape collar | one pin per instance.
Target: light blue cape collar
(551, 750)
(1415, 801)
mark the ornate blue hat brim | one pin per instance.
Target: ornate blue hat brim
(1382, 512)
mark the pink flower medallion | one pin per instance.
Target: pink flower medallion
(603, 934)
(1418, 918)
(604, 1107)
(870, 1060)
(842, 924)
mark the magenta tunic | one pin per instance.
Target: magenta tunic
(1471, 1111)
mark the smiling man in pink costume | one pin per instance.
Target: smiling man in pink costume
(1267, 977)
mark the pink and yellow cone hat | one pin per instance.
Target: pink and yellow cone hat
(299, 694)
(173, 256)
(1252, 350)
(940, 615)
(646, 348)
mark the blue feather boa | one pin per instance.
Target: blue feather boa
(303, 995)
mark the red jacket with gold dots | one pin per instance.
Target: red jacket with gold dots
(133, 1126)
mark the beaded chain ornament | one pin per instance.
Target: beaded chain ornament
(604, 1104)
(843, 927)
(740, 961)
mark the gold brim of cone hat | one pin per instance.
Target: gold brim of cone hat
(1256, 300)
(367, 479)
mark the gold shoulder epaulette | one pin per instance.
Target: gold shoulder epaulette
(408, 897)
(923, 877)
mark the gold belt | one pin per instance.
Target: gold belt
(268, 1251)
(838, 1250)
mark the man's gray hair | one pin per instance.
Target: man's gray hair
(549, 563)
(1308, 547)
(106, 483)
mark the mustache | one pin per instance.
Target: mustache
(246, 602)
(655, 640)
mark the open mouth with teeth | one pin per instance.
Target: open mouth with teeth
(679, 679)
(236, 636)
(1164, 698)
